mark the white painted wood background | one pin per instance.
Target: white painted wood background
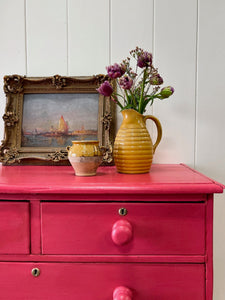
(81, 37)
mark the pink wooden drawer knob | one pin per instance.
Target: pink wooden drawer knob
(121, 232)
(122, 293)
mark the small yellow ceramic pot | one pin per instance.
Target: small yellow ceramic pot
(85, 157)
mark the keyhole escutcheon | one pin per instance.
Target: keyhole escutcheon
(122, 211)
(35, 272)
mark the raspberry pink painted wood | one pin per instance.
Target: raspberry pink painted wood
(67, 223)
(158, 228)
(71, 281)
(120, 258)
(122, 292)
(43, 182)
(14, 228)
(209, 248)
(35, 227)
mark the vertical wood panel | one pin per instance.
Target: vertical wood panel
(211, 73)
(88, 36)
(131, 25)
(46, 37)
(175, 51)
(12, 50)
(210, 141)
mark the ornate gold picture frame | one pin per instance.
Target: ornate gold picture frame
(44, 114)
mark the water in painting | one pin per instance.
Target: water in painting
(55, 120)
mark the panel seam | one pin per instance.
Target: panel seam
(110, 32)
(25, 33)
(196, 82)
(67, 38)
(153, 37)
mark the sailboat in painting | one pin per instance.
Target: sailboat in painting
(63, 126)
(60, 135)
(63, 129)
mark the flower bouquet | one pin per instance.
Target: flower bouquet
(135, 85)
(133, 148)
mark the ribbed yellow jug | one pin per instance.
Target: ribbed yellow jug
(133, 148)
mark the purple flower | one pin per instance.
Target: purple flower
(166, 92)
(116, 70)
(156, 79)
(144, 59)
(126, 82)
(105, 89)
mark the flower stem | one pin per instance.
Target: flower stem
(138, 76)
(142, 91)
(128, 101)
(133, 99)
(116, 100)
(119, 95)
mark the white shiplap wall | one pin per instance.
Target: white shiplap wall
(210, 119)
(81, 37)
(175, 53)
(46, 37)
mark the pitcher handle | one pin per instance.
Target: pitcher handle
(159, 130)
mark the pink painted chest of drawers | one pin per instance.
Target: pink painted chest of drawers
(111, 236)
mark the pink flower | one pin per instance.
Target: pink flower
(126, 82)
(105, 89)
(116, 70)
(144, 59)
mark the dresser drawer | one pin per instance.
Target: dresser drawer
(147, 228)
(14, 228)
(92, 281)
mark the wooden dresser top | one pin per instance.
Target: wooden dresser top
(162, 179)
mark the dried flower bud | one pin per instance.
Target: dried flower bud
(133, 74)
(126, 82)
(166, 92)
(156, 79)
(123, 68)
(105, 89)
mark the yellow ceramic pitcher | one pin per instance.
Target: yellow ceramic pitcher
(133, 147)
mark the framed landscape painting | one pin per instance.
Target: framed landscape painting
(55, 120)
(44, 115)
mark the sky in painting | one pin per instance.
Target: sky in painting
(41, 111)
